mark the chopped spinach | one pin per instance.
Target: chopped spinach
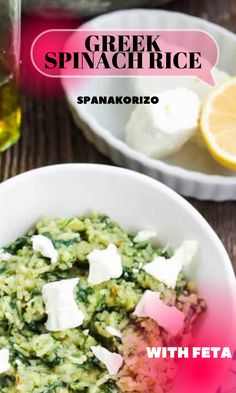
(52, 363)
(110, 387)
(51, 388)
(83, 293)
(17, 245)
(60, 242)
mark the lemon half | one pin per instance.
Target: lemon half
(218, 123)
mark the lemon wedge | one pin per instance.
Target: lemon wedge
(218, 123)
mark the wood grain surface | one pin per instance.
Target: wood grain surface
(49, 135)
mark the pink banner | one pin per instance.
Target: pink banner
(125, 53)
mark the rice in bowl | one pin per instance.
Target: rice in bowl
(46, 355)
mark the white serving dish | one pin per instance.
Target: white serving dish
(136, 202)
(192, 171)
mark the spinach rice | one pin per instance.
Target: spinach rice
(62, 362)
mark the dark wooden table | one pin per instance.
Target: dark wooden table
(49, 135)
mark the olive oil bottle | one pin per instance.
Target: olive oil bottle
(10, 114)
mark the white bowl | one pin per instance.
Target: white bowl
(191, 172)
(136, 202)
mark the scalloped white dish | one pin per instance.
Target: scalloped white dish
(191, 171)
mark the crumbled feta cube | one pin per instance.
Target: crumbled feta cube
(4, 360)
(186, 252)
(63, 312)
(167, 270)
(161, 130)
(113, 361)
(104, 265)
(151, 306)
(113, 331)
(45, 246)
(4, 256)
(144, 235)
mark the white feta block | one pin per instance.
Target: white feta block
(162, 129)
(151, 306)
(61, 308)
(104, 265)
(164, 270)
(144, 235)
(186, 252)
(4, 360)
(45, 247)
(167, 270)
(113, 361)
